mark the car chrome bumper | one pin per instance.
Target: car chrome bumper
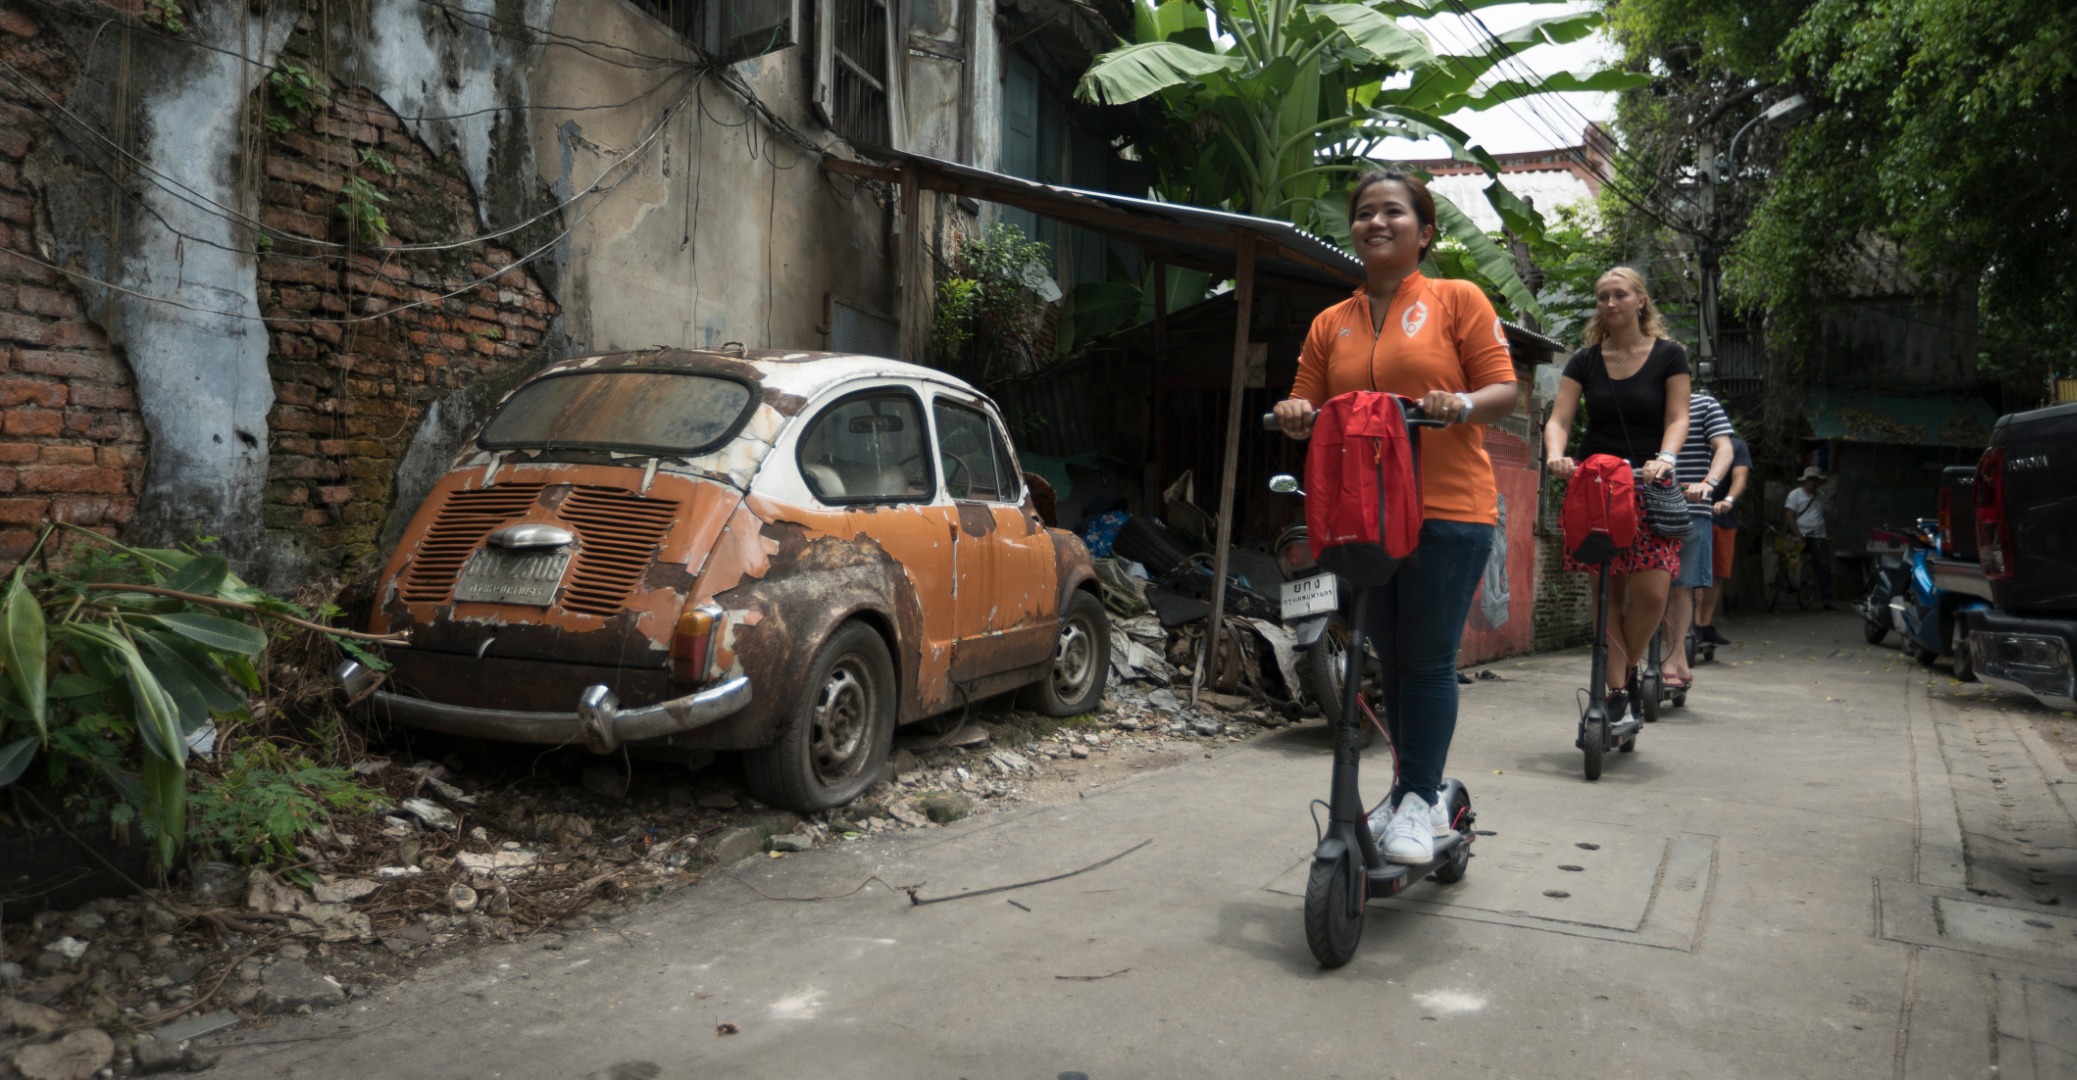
(2036, 657)
(599, 722)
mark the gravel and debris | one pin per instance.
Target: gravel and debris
(509, 843)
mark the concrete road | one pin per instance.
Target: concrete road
(1832, 863)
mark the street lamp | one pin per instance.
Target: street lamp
(1782, 114)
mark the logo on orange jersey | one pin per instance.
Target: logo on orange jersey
(1414, 318)
(1499, 330)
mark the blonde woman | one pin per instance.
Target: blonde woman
(1634, 380)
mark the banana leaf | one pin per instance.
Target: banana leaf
(1378, 35)
(204, 668)
(72, 684)
(1137, 71)
(24, 648)
(1494, 264)
(15, 758)
(204, 575)
(165, 792)
(216, 632)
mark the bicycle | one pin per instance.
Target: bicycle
(1793, 574)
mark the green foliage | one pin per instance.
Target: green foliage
(361, 203)
(112, 684)
(277, 124)
(294, 88)
(374, 160)
(993, 305)
(263, 799)
(165, 15)
(1276, 113)
(1943, 156)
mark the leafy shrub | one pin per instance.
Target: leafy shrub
(263, 799)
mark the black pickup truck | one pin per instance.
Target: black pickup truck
(2026, 530)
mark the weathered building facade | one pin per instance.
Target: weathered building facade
(264, 268)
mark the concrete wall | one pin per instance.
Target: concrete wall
(1898, 344)
(565, 181)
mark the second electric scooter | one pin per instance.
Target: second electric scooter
(1349, 868)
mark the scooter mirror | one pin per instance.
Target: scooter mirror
(1284, 484)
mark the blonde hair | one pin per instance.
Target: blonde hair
(1647, 315)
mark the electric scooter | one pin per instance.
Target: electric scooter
(1349, 868)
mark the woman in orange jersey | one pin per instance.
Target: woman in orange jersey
(1439, 343)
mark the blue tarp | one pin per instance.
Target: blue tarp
(1897, 420)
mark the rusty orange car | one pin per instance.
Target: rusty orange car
(783, 553)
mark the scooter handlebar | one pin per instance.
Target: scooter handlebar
(1410, 407)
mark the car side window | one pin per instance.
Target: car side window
(870, 447)
(974, 460)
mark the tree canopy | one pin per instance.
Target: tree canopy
(1944, 146)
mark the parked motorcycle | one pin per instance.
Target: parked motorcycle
(1890, 577)
(1315, 606)
(1919, 610)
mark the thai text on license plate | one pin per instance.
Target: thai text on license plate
(1310, 596)
(498, 576)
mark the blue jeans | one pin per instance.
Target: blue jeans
(1416, 622)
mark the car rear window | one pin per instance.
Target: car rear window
(665, 412)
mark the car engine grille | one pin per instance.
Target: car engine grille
(617, 536)
(463, 521)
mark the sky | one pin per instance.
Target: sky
(1543, 122)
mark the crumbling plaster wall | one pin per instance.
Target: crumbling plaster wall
(723, 231)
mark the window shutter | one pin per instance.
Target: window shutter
(740, 29)
(857, 72)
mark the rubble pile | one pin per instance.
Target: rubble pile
(479, 851)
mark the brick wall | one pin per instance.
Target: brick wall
(71, 442)
(1564, 601)
(349, 396)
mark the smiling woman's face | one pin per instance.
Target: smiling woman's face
(1385, 228)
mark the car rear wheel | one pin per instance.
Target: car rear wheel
(832, 748)
(1081, 661)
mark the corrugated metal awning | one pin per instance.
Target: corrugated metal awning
(1184, 235)
(1897, 420)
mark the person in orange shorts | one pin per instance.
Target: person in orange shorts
(1726, 531)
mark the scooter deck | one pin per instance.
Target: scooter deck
(1388, 879)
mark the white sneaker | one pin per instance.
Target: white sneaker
(1439, 815)
(1410, 835)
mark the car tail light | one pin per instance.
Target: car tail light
(1993, 530)
(695, 648)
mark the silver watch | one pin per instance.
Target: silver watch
(1668, 456)
(1469, 406)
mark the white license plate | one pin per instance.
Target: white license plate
(497, 576)
(1310, 596)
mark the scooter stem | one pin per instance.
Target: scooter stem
(1345, 810)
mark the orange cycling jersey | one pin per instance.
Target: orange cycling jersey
(1437, 335)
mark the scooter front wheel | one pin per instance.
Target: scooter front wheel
(1332, 931)
(1594, 740)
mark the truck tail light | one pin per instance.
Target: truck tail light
(1946, 518)
(1993, 528)
(695, 649)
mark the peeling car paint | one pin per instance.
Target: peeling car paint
(967, 595)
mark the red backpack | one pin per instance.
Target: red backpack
(1362, 487)
(1600, 513)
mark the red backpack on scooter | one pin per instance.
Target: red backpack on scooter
(1600, 513)
(1362, 487)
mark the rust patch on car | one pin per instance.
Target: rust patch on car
(783, 403)
(976, 519)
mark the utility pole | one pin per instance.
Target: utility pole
(1707, 254)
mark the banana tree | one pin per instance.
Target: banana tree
(1275, 105)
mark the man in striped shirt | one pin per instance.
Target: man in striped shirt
(1705, 459)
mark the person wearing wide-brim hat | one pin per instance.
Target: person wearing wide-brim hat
(1806, 522)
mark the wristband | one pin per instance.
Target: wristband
(1668, 456)
(1469, 405)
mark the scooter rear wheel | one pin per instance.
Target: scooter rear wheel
(1594, 740)
(1653, 687)
(1452, 871)
(1331, 932)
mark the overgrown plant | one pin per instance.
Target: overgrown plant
(264, 798)
(165, 15)
(361, 203)
(988, 313)
(119, 665)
